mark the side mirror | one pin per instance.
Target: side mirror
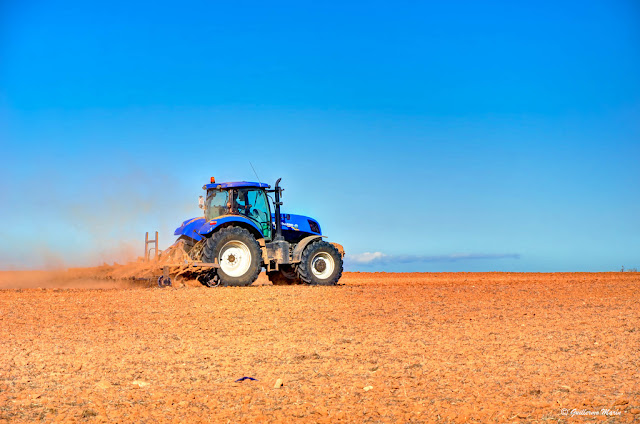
(201, 202)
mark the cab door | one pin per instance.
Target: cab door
(254, 205)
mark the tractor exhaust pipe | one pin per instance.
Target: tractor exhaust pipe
(278, 203)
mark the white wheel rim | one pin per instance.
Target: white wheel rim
(234, 258)
(329, 265)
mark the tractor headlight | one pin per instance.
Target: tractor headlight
(314, 226)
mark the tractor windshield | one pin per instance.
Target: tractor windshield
(217, 204)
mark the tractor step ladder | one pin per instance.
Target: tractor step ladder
(147, 250)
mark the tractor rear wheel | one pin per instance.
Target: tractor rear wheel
(238, 254)
(285, 276)
(321, 264)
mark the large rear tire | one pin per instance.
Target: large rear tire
(238, 254)
(321, 264)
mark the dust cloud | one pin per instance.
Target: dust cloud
(60, 279)
(90, 221)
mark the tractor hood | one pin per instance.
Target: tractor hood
(301, 223)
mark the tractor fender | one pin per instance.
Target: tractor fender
(190, 227)
(297, 251)
(208, 227)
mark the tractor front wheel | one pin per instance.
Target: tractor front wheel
(321, 264)
(238, 254)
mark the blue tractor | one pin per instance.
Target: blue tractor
(243, 230)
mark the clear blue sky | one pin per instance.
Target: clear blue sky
(424, 136)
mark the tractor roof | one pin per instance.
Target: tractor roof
(235, 184)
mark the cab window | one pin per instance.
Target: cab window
(254, 205)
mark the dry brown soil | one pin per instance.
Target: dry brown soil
(436, 347)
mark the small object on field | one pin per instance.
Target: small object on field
(366, 389)
(278, 384)
(140, 383)
(246, 378)
(103, 384)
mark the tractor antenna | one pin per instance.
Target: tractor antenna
(254, 171)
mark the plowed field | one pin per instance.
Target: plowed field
(462, 347)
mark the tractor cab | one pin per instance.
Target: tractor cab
(247, 199)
